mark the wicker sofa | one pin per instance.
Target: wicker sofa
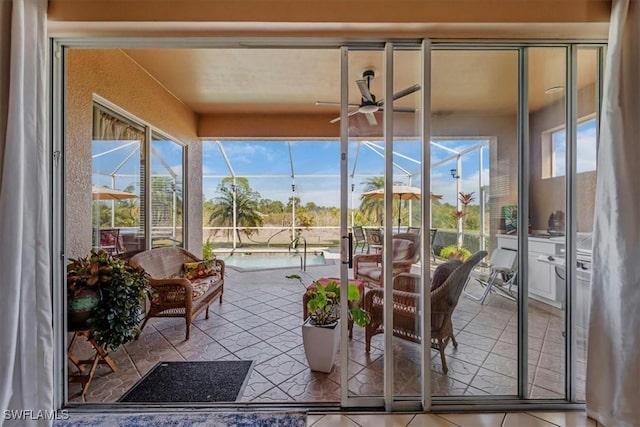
(172, 295)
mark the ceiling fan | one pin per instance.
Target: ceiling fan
(368, 104)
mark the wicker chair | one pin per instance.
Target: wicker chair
(368, 267)
(406, 304)
(171, 295)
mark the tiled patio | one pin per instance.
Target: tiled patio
(260, 320)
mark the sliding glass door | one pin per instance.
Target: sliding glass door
(382, 137)
(445, 150)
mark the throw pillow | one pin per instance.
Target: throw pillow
(443, 272)
(195, 270)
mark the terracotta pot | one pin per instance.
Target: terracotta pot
(80, 305)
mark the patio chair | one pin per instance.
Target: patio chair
(432, 239)
(414, 230)
(111, 241)
(374, 239)
(406, 252)
(359, 237)
(503, 274)
(406, 307)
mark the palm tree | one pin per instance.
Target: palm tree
(247, 206)
(372, 208)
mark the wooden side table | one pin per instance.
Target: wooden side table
(100, 357)
(324, 281)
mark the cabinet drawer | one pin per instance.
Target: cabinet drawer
(542, 247)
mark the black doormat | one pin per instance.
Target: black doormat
(218, 381)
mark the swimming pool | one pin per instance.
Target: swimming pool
(252, 261)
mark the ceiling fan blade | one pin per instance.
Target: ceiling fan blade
(403, 92)
(337, 119)
(400, 109)
(323, 103)
(364, 90)
(371, 119)
(404, 110)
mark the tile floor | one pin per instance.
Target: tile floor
(260, 319)
(513, 419)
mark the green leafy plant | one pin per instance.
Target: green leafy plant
(207, 250)
(452, 251)
(120, 287)
(324, 303)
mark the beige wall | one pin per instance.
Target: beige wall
(336, 19)
(547, 195)
(310, 11)
(267, 126)
(114, 77)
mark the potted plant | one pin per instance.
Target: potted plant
(458, 250)
(320, 331)
(110, 293)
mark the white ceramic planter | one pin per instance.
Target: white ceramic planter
(320, 345)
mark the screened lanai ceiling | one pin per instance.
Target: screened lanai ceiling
(259, 81)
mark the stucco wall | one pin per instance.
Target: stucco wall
(112, 75)
(547, 195)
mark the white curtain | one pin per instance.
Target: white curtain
(613, 371)
(26, 340)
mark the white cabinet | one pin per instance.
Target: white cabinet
(544, 283)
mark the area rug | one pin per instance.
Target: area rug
(216, 381)
(214, 419)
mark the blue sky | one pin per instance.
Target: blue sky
(316, 165)
(586, 137)
(123, 158)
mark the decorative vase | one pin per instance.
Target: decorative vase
(321, 345)
(79, 307)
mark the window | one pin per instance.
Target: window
(166, 192)
(120, 202)
(117, 153)
(586, 145)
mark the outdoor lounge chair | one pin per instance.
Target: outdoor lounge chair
(406, 306)
(502, 278)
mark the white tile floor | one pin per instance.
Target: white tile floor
(260, 319)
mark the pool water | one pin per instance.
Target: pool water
(252, 261)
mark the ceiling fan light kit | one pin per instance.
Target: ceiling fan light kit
(368, 104)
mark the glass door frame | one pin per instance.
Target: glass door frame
(57, 117)
(388, 399)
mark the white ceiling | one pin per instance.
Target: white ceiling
(211, 81)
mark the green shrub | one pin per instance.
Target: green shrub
(452, 251)
(207, 250)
